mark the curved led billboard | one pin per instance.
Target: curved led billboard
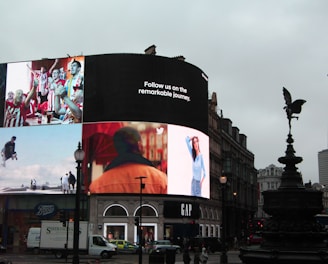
(126, 109)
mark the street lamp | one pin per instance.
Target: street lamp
(224, 256)
(79, 156)
(142, 185)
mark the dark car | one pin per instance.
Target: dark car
(162, 246)
(5, 261)
(254, 239)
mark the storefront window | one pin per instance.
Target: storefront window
(148, 233)
(115, 232)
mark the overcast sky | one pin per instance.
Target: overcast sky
(249, 50)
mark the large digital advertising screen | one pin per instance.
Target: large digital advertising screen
(40, 92)
(138, 117)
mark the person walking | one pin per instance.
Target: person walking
(204, 256)
(65, 184)
(197, 256)
(186, 257)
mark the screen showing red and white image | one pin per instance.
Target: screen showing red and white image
(168, 148)
(44, 92)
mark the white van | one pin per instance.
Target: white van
(59, 239)
(33, 238)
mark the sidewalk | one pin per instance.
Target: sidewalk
(213, 258)
(233, 258)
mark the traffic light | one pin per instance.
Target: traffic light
(136, 221)
(63, 217)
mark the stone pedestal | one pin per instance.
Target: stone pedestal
(291, 234)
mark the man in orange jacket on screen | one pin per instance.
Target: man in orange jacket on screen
(121, 175)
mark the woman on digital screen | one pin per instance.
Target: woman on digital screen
(198, 167)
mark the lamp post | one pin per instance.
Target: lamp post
(224, 256)
(142, 185)
(79, 156)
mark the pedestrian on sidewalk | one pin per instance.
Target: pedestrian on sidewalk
(235, 243)
(197, 256)
(204, 256)
(186, 257)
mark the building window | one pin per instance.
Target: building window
(147, 210)
(115, 210)
(207, 230)
(201, 230)
(227, 165)
(205, 214)
(115, 231)
(212, 231)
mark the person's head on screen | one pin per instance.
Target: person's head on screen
(127, 140)
(55, 74)
(195, 146)
(75, 67)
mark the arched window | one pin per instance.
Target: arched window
(205, 213)
(217, 214)
(147, 210)
(212, 214)
(115, 210)
(201, 213)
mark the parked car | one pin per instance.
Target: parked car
(254, 239)
(124, 246)
(162, 246)
(5, 261)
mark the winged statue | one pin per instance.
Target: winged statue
(292, 107)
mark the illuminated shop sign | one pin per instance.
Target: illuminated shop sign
(181, 210)
(45, 210)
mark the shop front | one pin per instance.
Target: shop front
(18, 213)
(161, 219)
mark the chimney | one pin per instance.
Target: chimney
(151, 50)
(180, 57)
